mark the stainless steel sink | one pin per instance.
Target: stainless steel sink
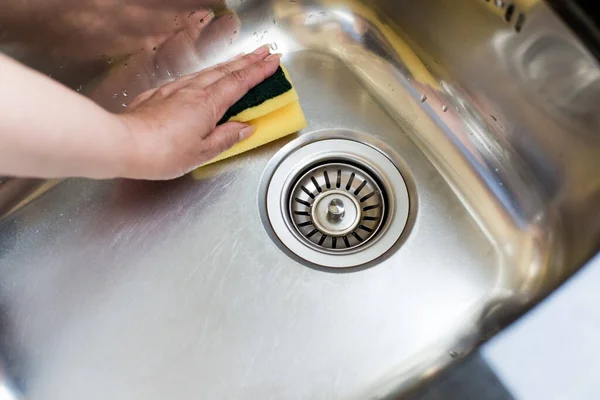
(185, 289)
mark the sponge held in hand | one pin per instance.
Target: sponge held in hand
(272, 107)
(270, 127)
(271, 94)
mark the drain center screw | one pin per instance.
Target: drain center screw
(336, 210)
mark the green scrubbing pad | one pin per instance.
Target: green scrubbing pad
(271, 94)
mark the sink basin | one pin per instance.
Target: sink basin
(183, 289)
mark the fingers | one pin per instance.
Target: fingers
(228, 90)
(219, 71)
(179, 82)
(208, 76)
(224, 137)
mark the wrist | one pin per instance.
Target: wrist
(142, 156)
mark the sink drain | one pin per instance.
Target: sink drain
(336, 202)
(337, 206)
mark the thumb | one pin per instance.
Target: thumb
(225, 136)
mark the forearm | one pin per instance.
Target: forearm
(47, 130)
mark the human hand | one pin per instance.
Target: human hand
(174, 127)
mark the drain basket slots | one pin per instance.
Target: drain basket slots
(334, 202)
(337, 206)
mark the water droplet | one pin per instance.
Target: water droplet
(154, 49)
(453, 354)
(168, 72)
(273, 46)
(79, 88)
(423, 98)
(124, 105)
(125, 92)
(115, 95)
(444, 108)
(138, 74)
(110, 60)
(125, 65)
(496, 170)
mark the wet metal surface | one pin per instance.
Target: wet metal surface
(127, 290)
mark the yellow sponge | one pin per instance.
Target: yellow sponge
(272, 107)
(270, 127)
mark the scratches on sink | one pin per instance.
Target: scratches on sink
(250, 368)
(216, 252)
(297, 282)
(24, 329)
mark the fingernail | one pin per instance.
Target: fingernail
(273, 57)
(262, 50)
(246, 132)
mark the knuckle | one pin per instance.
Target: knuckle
(249, 58)
(263, 69)
(224, 69)
(227, 142)
(230, 139)
(239, 75)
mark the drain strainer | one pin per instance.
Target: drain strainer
(336, 203)
(337, 206)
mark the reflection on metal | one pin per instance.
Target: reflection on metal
(128, 290)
